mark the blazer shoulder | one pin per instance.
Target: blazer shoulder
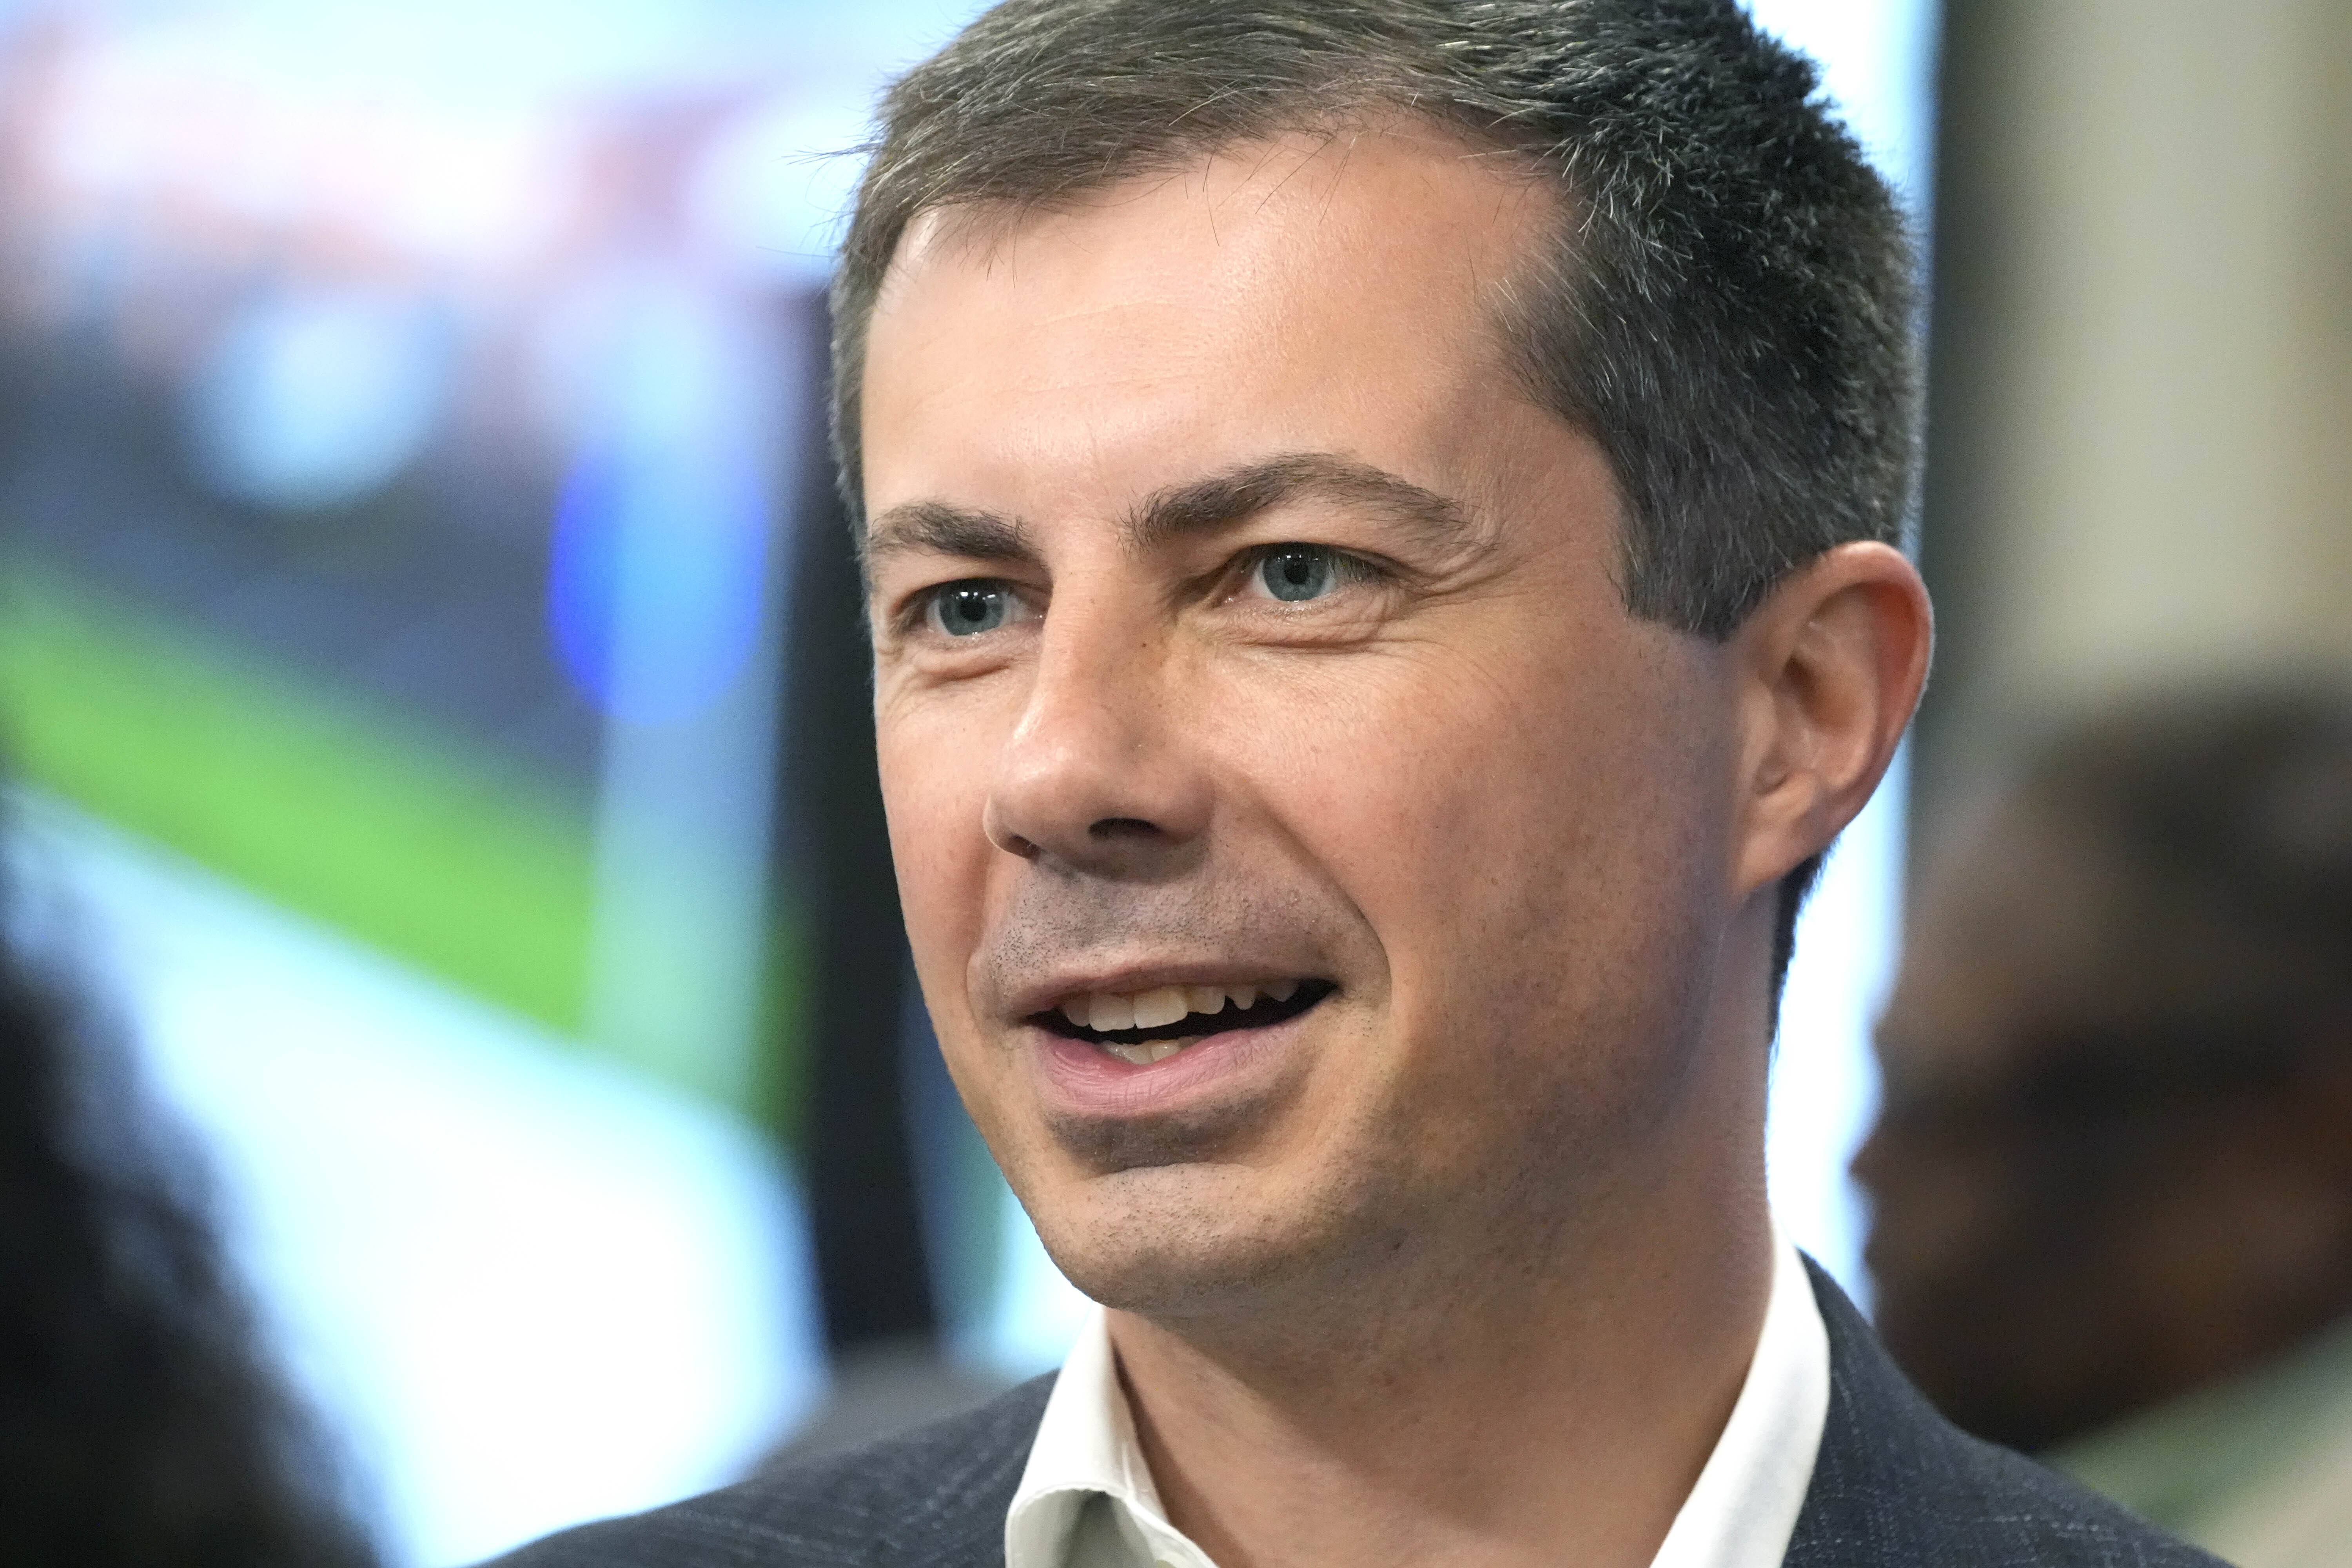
(933, 1498)
(1897, 1483)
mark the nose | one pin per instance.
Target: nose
(1098, 778)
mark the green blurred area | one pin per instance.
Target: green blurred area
(354, 817)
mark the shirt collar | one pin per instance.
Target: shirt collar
(1085, 1445)
(1743, 1506)
(1740, 1513)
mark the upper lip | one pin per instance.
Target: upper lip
(1050, 990)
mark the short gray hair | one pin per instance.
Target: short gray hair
(1728, 313)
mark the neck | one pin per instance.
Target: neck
(1558, 1418)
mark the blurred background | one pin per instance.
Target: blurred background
(430, 665)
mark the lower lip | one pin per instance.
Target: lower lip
(1090, 1081)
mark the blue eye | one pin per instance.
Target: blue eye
(1296, 572)
(968, 609)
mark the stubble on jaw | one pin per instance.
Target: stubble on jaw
(1369, 1256)
(1189, 1216)
(1169, 1213)
(1198, 1133)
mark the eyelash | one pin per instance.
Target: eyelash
(1347, 566)
(1350, 566)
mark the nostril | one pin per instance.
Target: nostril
(1123, 828)
(1016, 845)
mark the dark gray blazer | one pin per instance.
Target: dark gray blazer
(1895, 1484)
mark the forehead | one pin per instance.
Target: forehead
(1321, 293)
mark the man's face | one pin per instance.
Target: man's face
(1304, 854)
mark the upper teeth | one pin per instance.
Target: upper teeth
(1166, 1005)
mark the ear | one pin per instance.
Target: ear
(1831, 665)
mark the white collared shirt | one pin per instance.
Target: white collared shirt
(1087, 1500)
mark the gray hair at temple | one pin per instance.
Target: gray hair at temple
(1727, 307)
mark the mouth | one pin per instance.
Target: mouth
(1145, 1027)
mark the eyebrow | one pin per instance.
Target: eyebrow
(936, 528)
(1204, 506)
(1192, 509)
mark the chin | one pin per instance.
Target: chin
(1204, 1240)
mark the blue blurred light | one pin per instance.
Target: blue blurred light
(655, 584)
(316, 397)
(657, 573)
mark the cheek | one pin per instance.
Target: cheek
(934, 784)
(1501, 824)
(1532, 849)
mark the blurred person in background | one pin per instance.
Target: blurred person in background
(141, 1426)
(2112, 1176)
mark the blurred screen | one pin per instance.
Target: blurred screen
(400, 407)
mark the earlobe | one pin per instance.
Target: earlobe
(1833, 662)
